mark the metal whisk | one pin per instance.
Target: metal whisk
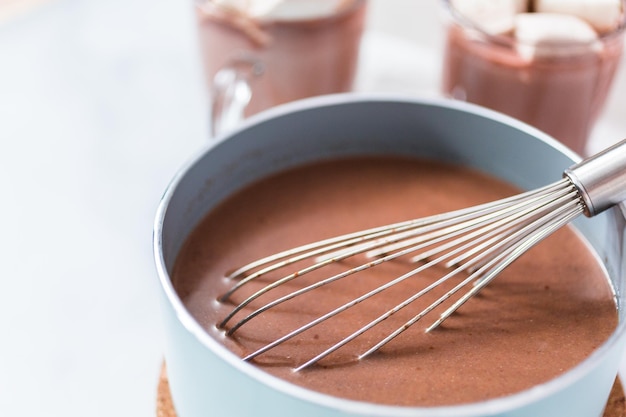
(480, 241)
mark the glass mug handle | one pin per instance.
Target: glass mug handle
(231, 92)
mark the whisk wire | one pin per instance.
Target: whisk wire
(501, 218)
(517, 247)
(506, 258)
(543, 209)
(513, 238)
(425, 240)
(356, 301)
(479, 242)
(372, 233)
(418, 243)
(466, 240)
(502, 260)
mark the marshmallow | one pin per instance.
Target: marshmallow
(493, 16)
(250, 8)
(603, 15)
(553, 34)
(308, 9)
(285, 9)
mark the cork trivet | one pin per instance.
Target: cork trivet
(615, 407)
(165, 407)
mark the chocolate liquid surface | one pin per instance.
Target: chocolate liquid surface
(548, 311)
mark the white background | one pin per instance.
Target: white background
(100, 103)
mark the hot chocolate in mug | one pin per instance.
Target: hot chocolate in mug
(260, 53)
(552, 66)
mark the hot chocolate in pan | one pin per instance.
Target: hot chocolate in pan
(542, 316)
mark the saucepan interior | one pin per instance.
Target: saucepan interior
(206, 379)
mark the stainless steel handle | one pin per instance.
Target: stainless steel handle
(601, 178)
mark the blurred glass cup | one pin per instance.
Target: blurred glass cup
(559, 87)
(260, 54)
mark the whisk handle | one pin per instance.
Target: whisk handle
(601, 178)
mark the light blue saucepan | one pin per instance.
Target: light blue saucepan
(206, 380)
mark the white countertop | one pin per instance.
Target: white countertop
(100, 103)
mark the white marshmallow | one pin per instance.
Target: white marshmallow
(553, 34)
(603, 15)
(307, 9)
(284, 9)
(492, 16)
(250, 8)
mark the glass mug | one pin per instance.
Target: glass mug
(305, 48)
(561, 92)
